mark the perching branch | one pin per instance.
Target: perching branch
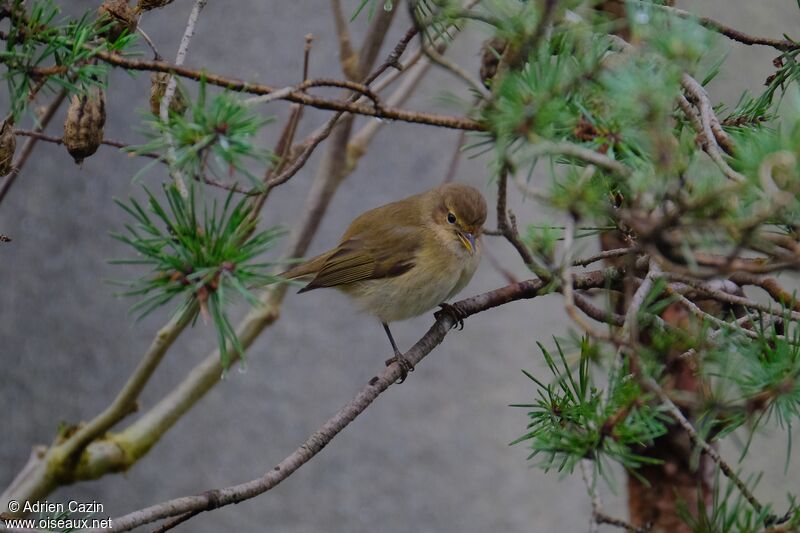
(216, 498)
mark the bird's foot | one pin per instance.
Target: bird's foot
(454, 312)
(404, 364)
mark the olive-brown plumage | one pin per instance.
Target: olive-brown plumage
(402, 259)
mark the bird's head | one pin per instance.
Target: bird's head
(462, 212)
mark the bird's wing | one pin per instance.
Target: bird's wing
(369, 255)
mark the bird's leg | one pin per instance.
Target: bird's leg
(454, 312)
(404, 364)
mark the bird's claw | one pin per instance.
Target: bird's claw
(404, 364)
(453, 312)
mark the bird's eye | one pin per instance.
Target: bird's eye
(451, 218)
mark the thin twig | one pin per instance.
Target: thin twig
(345, 84)
(233, 84)
(589, 479)
(650, 384)
(29, 145)
(347, 56)
(280, 94)
(598, 515)
(630, 328)
(180, 58)
(770, 286)
(726, 297)
(149, 42)
(606, 254)
(125, 401)
(508, 230)
(152, 155)
(60, 140)
(588, 155)
(707, 118)
(169, 93)
(360, 140)
(727, 31)
(596, 313)
(566, 285)
(452, 168)
(702, 315)
(455, 69)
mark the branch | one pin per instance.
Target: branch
(369, 50)
(319, 439)
(29, 145)
(705, 127)
(152, 155)
(598, 515)
(125, 402)
(359, 142)
(630, 327)
(727, 31)
(347, 56)
(172, 84)
(36, 134)
(586, 154)
(770, 286)
(607, 254)
(566, 286)
(508, 230)
(58, 463)
(722, 296)
(456, 70)
(650, 385)
(233, 84)
(596, 313)
(183, 49)
(455, 159)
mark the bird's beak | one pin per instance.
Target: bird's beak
(468, 240)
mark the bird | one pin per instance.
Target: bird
(402, 259)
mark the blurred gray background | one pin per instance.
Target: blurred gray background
(430, 455)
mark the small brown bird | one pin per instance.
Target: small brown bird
(402, 259)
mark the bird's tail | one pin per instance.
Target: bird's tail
(307, 269)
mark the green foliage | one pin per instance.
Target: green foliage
(750, 376)
(571, 420)
(542, 241)
(217, 135)
(728, 513)
(202, 255)
(388, 5)
(65, 50)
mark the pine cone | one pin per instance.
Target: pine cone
(8, 143)
(120, 14)
(158, 86)
(491, 51)
(83, 129)
(147, 5)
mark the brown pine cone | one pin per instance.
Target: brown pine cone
(83, 129)
(8, 143)
(120, 14)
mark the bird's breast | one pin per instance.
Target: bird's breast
(437, 275)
